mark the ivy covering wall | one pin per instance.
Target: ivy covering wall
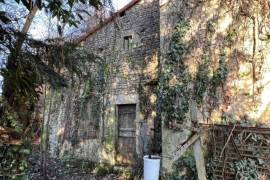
(214, 57)
(179, 86)
(206, 57)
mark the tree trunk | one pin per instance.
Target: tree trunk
(12, 59)
(45, 135)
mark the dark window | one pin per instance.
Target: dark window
(127, 42)
(121, 14)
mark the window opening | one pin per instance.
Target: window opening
(121, 14)
(127, 42)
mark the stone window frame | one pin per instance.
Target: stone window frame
(135, 40)
(127, 42)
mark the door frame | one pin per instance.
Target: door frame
(125, 100)
(117, 127)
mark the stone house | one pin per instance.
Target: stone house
(119, 122)
(115, 114)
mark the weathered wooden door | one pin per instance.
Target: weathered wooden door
(126, 146)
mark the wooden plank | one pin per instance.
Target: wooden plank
(197, 148)
(200, 165)
(126, 139)
(238, 128)
(181, 149)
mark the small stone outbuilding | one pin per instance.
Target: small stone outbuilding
(111, 115)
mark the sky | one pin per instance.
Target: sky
(120, 3)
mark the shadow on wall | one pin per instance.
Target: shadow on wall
(238, 28)
(229, 27)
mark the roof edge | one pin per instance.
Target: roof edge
(106, 21)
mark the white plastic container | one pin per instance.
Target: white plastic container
(151, 167)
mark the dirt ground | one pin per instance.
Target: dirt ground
(74, 169)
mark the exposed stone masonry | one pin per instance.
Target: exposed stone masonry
(128, 72)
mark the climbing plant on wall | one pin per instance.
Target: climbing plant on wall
(94, 92)
(178, 86)
(172, 107)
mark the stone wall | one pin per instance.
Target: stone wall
(127, 79)
(235, 30)
(231, 37)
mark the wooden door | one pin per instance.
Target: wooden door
(126, 146)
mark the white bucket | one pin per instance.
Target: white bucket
(151, 167)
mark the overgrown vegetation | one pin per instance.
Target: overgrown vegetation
(95, 84)
(29, 65)
(179, 86)
(192, 72)
(106, 169)
(245, 169)
(184, 168)
(18, 113)
(241, 154)
(174, 106)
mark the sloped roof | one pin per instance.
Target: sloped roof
(107, 21)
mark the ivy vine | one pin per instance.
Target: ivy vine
(184, 168)
(245, 169)
(175, 95)
(94, 91)
(178, 86)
